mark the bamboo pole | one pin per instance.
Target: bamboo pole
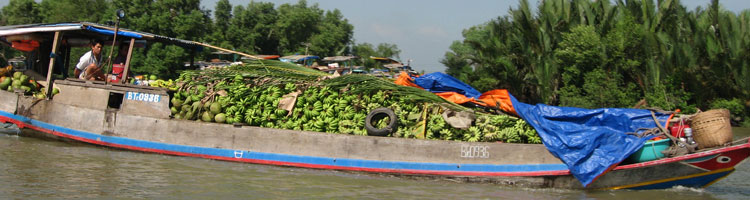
(127, 61)
(111, 49)
(227, 50)
(52, 65)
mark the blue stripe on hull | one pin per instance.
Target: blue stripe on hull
(228, 153)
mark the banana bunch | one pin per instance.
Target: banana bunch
(5, 71)
(169, 84)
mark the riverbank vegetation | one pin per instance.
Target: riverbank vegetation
(612, 54)
(256, 28)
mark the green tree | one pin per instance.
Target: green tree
(334, 36)
(21, 12)
(53, 11)
(366, 50)
(388, 50)
(296, 24)
(252, 28)
(222, 17)
(653, 50)
(172, 18)
(458, 62)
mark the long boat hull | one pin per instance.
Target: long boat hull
(140, 121)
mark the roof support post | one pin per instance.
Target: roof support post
(127, 61)
(52, 58)
(192, 58)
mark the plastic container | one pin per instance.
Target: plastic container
(650, 151)
(117, 70)
(678, 130)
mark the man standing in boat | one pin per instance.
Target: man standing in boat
(89, 66)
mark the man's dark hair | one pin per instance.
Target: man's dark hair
(96, 41)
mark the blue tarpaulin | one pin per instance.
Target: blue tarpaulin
(589, 141)
(110, 32)
(437, 82)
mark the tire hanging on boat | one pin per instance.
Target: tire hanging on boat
(379, 114)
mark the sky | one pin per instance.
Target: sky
(423, 30)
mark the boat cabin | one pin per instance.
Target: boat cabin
(47, 58)
(304, 60)
(390, 67)
(340, 64)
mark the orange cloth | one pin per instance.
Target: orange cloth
(498, 98)
(494, 98)
(406, 80)
(457, 98)
(25, 45)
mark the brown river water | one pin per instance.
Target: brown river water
(32, 168)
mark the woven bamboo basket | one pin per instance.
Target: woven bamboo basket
(712, 128)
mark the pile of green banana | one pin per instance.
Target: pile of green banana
(257, 95)
(169, 84)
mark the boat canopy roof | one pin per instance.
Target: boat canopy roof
(297, 58)
(84, 30)
(265, 57)
(384, 59)
(338, 58)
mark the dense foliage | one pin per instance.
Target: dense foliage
(590, 54)
(256, 28)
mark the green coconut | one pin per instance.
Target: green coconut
(6, 82)
(24, 78)
(176, 102)
(207, 106)
(26, 88)
(17, 83)
(17, 75)
(189, 115)
(220, 118)
(185, 108)
(215, 108)
(207, 117)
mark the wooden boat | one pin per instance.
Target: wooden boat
(138, 118)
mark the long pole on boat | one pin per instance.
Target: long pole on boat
(127, 61)
(112, 48)
(52, 64)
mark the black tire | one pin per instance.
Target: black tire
(379, 114)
